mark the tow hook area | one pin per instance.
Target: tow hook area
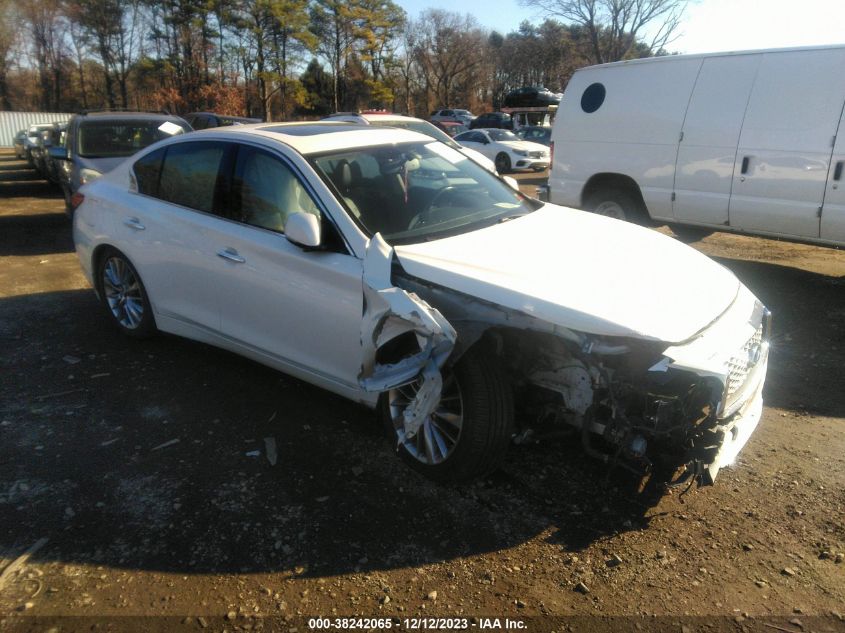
(390, 312)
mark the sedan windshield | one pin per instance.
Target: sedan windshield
(503, 135)
(416, 192)
(100, 139)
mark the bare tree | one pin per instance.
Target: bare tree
(8, 37)
(450, 48)
(619, 29)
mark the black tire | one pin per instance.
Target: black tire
(503, 163)
(123, 295)
(619, 204)
(689, 234)
(486, 404)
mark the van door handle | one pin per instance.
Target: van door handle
(134, 223)
(232, 255)
(837, 171)
(745, 160)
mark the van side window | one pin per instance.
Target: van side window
(593, 98)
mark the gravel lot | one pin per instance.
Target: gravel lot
(136, 461)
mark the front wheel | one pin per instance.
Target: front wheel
(468, 434)
(503, 163)
(124, 296)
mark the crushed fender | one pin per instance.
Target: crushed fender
(389, 312)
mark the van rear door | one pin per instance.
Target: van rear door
(833, 212)
(707, 150)
(785, 146)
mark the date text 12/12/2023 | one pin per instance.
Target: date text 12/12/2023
(416, 623)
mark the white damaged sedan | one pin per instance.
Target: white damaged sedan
(388, 268)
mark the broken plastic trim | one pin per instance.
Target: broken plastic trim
(388, 312)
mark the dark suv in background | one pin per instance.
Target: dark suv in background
(501, 120)
(204, 120)
(96, 142)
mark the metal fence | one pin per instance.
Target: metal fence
(12, 122)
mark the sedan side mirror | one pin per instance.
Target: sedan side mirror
(58, 153)
(303, 229)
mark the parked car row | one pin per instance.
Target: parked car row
(72, 153)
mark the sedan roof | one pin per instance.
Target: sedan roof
(322, 136)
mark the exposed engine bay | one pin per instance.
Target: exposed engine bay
(630, 402)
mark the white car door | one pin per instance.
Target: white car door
(707, 149)
(167, 226)
(784, 151)
(477, 141)
(294, 307)
(833, 211)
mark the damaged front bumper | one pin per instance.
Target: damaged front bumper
(736, 431)
(735, 351)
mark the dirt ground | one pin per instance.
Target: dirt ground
(135, 475)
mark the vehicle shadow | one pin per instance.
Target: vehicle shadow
(808, 335)
(152, 455)
(37, 234)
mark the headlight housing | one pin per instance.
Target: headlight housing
(520, 152)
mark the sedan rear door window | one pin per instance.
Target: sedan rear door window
(190, 174)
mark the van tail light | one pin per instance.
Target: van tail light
(551, 155)
(75, 200)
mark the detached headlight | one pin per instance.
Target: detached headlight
(520, 152)
(87, 175)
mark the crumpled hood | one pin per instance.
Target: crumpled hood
(582, 271)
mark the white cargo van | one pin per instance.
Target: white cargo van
(752, 142)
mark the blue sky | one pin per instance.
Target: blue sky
(709, 25)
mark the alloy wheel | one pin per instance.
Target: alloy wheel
(123, 292)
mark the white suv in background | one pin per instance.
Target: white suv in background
(461, 116)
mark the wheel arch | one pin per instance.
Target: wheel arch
(97, 256)
(609, 181)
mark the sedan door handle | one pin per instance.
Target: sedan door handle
(134, 223)
(232, 255)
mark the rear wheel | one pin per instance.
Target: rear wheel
(618, 204)
(503, 163)
(468, 434)
(124, 296)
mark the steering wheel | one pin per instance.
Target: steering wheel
(421, 218)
